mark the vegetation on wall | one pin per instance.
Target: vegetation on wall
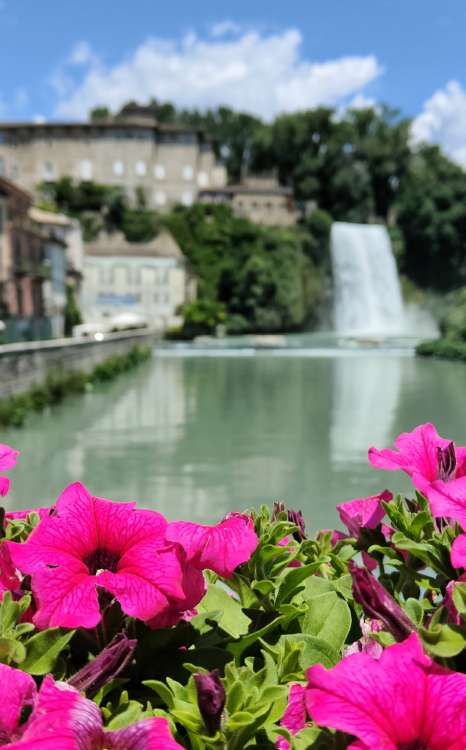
(265, 279)
(61, 383)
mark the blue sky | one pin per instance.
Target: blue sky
(57, 59)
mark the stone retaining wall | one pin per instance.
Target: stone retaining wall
(27, 364)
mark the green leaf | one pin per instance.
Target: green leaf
(459, 597)
(43, 649)
(236, 697)
(11, 650)
(443, 640)
(228, 612)
(292, 580)
(164, 693)
(414, 610)
(328, 618)
(315, 650)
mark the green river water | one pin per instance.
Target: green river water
(200, 431)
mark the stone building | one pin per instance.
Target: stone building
(163, 164)
(63, 259)
(148, 281)
(22, 267)
(259, 199)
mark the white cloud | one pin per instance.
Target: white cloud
(443, 121)
(82, 54)
(225, 28)
(254, 72)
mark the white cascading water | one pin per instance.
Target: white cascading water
(367, 295)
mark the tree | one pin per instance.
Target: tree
(431, 211)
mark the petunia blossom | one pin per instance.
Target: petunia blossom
(295, 717)
(91, 544)
(9, 579)
(61, 718)
(220, 548)
(363, 512)
(8, 456)
(401, 701)
(436, 466)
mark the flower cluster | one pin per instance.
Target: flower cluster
(120, 630)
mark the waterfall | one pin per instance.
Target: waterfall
(367, 296)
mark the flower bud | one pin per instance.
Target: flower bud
(379, 604)
(210, 699)
(106, 666)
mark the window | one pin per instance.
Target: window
(118, 168)
(188, 172)
(2, 166)
(140, 168)
(203, 179)
(132, 275)
(85, 169)
(187, 199)
(160, 198)
(48, 170)
(106, 275)
(159, 172)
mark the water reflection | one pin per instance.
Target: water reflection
(197, 437)
(366, 393)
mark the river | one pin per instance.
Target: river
(200, 431)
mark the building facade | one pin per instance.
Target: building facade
(259, 199)
(23, 267)
(161, 164)
(148, 281)
(63, 263)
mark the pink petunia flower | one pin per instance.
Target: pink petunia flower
(89, 544)
(9, 579)
(62, 719)
(436, 466)
(220, 548)
(295, 716)
(401, 701)
(8, 458)
(363, 512)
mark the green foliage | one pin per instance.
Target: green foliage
(36, 654)
(453, 319)
(72, 312)
(443, 349)
(431, 212)
(14, 409)
(262, 277)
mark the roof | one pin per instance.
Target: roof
(49, 218)
(116, 245)
(116, 124)
(9, 188)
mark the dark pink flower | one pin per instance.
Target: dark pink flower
(8, 458)
(90, 543)
(220, 548)
(194, 588)
(364, 512)
(295, 716)
(9, 579)
(437, 468)
(107, 665)
(401, 701)
(458, 552)
(61, 719)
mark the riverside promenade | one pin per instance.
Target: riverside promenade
(27, 364)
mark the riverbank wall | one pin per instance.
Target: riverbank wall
(25, 365)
